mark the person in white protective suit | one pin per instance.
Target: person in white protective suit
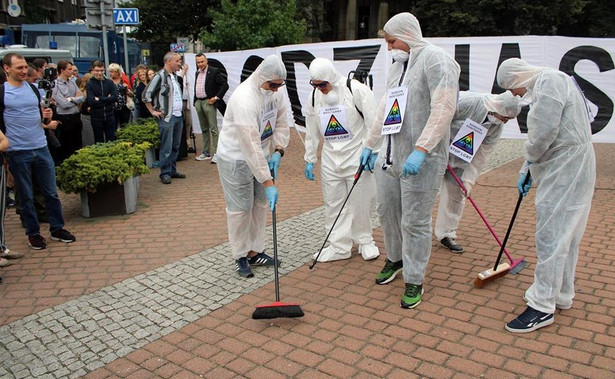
(255, 123)
(341, 117)
(561, 160)
(413, 156)
(492, 111)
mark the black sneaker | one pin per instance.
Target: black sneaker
(243, 267)
(165, 180)
(37, 242)
(412, 296)
(261, 259)
(178, 175)
(450, 244)
(389, 271)
(530, 320)
(63, 235)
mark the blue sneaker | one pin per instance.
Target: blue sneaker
(530, 320)
(261, 259)
(243, 268)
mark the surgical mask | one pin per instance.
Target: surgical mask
(399, 55)
(494, 120)
(331, 98)
(266, 92)
(527, 98)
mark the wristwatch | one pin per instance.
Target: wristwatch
(281, 151)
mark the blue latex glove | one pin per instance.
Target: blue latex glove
(523, 190)
(309, 171)
(413, 163)
(368, 159)
(274, 164)
(272, 196)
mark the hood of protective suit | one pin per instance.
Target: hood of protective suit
(323, 69)
(405, 27)
(516, 73)
(504, 104)
(271, 68)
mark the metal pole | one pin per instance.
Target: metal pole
(126, 63)
(104, 35)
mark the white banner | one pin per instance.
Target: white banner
(589, 60)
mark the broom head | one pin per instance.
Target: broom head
(277, 310)
(491, 275)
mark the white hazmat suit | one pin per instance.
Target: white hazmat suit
(563, 165)
(405, 203)
(340, 159)
(476, 107)
(255, 121)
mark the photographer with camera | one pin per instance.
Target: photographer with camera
(29, 159)
(67, 97)
(101, 96)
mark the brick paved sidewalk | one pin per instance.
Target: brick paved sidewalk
(352, 327)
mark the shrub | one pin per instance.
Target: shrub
(145, 130)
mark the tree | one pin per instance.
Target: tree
(250, 24)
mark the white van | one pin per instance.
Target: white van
(50, 55)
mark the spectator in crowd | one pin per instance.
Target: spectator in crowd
(140, 83)
(210, 85)
(40, 64)
(120, 108)
(163, 99)
(101, 96)
(150, 74)
(87, 134)
(67, 97)
(28, 154)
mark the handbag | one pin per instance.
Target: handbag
(130, 104)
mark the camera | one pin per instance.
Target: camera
(47, 84)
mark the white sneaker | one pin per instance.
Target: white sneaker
(214, 160)
(203, 157)
(369, 251)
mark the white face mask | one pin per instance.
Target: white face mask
(400, 55)
(527, 98)
(494, 120)
(266, 92)
(331, 98)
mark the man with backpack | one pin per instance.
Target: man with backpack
(340, 111)
(28, 153)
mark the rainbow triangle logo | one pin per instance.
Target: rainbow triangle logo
(334, 128)
(267, 132)
(466, 143)
(394, 116)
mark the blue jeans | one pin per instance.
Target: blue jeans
(170, 138)
(37, 163)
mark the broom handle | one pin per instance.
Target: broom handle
(512, 221)
(357, 175)
(276, 278)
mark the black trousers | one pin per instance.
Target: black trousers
(69, 135)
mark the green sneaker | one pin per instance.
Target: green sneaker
(389, 271)
(412, 296)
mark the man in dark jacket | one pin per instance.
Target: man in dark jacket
(210, 85)
(102, 94)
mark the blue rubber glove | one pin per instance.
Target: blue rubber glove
(413, 163)
(274, 164)
(309, 171)
(368, 159)
(523, 190)
(272, 196)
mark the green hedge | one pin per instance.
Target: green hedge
(145, 130)
(101, 163)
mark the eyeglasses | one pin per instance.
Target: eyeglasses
(321, 85)
(494, 114)
(273, 85)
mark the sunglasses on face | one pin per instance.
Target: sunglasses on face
(322, 85)
(273, 85)
(494, 114)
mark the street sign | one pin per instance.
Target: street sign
(145, 52)
(126, 16)
(96, 3)
(178, 47)
(94, 18)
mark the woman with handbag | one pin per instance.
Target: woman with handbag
(124, 104)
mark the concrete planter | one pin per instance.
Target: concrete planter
(150, 157)
(111, 199)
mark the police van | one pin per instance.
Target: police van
(30, 54)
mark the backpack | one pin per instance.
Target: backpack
(359, 75)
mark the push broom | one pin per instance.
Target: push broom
(515, 265)
(498, 269)
(357, 175)
(276, 309)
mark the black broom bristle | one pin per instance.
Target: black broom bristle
(277, 310)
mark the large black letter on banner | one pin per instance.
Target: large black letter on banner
(365, 54)
(511, 50)
(250, 66)
(462, 56)
(290, 58)
(604, 62)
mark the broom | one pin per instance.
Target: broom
(498, 269)
(276, 309)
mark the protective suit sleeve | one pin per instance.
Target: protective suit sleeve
(365, 101)
(249, 138)
(312, 134)
(544, 117)
(281, 134)
(443, 81)
(374, 136)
